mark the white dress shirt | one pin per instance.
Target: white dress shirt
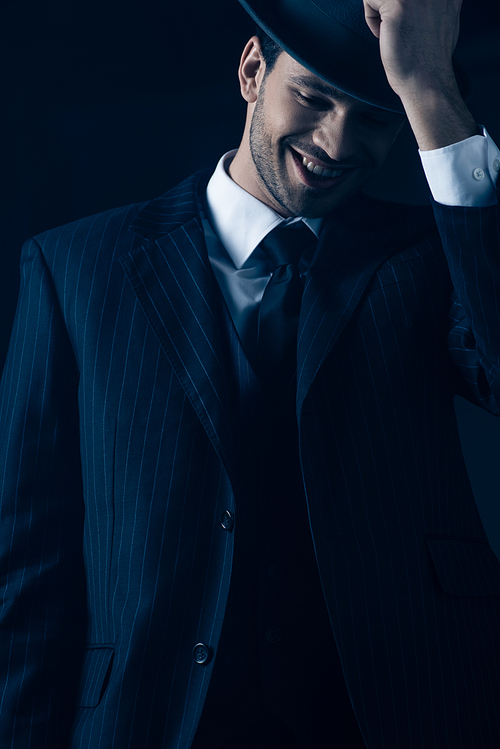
(237, 223)
(464, 173)
(461, 174)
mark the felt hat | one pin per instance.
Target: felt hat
(331, 39)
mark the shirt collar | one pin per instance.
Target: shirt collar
(240, 220)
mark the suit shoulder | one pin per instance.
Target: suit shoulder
(108, 225)
(114, 231)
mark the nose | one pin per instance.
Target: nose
(336, 134)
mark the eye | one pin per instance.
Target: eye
(311, 101)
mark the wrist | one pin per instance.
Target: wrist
(438, 118)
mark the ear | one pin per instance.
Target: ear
(251, 70)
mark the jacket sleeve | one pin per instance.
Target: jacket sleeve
(471, 241)
(42, 602)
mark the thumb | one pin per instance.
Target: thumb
(372, 17)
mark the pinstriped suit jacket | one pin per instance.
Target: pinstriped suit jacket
(116, 466)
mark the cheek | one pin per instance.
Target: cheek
(288, 118)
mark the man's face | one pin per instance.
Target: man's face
(300, 123)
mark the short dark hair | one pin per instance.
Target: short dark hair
(269, 48)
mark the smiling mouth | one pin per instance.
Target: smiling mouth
(316, 176)
(320, 171)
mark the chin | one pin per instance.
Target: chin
(315, 207)
(310, 203)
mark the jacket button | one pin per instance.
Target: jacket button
(275, 571)
(227, 520)
(202, 653)
(273, 634)
(256, 698)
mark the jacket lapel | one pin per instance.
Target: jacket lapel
(173, 280)
(353, 245)
(174, 283)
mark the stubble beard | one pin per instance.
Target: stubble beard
(266, 164)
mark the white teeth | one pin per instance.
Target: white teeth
(319, 171)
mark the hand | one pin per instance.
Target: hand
(417, 40)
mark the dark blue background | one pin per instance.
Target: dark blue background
(106, 103)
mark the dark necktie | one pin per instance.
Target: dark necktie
(276, 358)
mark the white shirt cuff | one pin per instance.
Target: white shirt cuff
(464, 173)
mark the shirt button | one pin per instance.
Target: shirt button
(227, 520)
(496, 165)
(201, 653)
(275, 571)
(273, 634)
(478, 174)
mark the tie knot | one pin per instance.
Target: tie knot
(285, 244)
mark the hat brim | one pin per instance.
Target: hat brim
(333, 52)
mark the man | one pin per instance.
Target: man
(219, 530)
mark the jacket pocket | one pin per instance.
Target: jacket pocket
(96, 671)
(465, 568)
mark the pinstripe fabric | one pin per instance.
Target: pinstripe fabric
(151, 484)
(386, 484)
(96, 667)
(117, 457)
